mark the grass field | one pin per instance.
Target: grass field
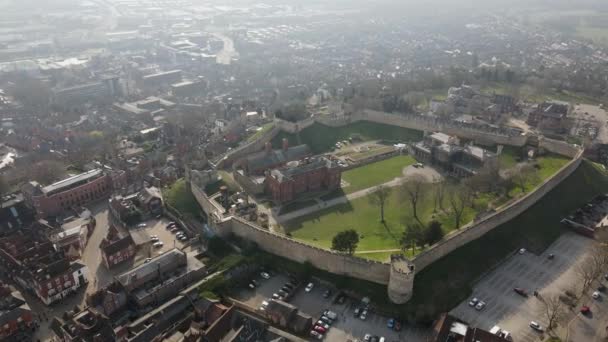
(377, 173)
(320, 228)
(359, 214)
(448, 281)
(179, 197)
(321, 138)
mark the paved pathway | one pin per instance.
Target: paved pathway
(379, 251)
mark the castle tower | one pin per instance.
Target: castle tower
(401, 280)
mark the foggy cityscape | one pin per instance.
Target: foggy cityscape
(281, 170)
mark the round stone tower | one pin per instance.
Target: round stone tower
(401, 280)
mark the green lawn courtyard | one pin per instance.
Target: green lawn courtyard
(319, 228)
(321, 138)
(374, 174)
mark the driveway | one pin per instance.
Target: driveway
(513, 312)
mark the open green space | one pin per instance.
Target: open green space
(377, 173)
(321, 138)
(445, 283)
(181, 198)
(320, 227)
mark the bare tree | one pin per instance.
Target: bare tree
(413, 192)
(458, 198)
(553, 309)
(524, 175)
(439, 195)
(379, 197)
(587, 272)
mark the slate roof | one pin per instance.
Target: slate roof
(264, 160)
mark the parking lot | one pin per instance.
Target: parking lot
(513, 312)
(346, 327)
(157, 227)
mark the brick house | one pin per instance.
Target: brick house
(304, 176)
(15, 314)
(72, 192)
(116, 251)
(32, 261)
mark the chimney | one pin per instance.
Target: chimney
(285, 144)
(268, 147)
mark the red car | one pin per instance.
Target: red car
(521, 292)
(320, 329)
(585, 310)
(397, 326)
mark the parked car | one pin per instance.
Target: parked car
(265, 275)
(551, 256)
(174, 229)
(326, 294)
(285, 289)
(326, 320)
(357, 312)
(363, 316)
(142, 225)
(585, 310)
(397, 326)
(480, 305)
(309, 287)
(522, 250)
(332, 315)
(154, 238)
(316, 335)
(521, 291)
(251, 286)
(536, 326)
(283, 294)
(374, 339)
(183, 238)
(473, 302)
(170, 226)
(289, 286)
(323, 324)
(595, 295)
(391, 323)
(367, 337)
(157, 244)
(320, 329)
(601, 288)
(147, 260)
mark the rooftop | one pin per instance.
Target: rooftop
(72, 181)
(295, 168)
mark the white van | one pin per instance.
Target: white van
(495, 330)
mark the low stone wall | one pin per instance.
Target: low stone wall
(559, 147)
(475, 230)
(323, 259)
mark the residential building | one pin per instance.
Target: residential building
(15, 314)
(287, 316)
(108, 300)
(162, 78)
(551, 117)
(54, 199)
(444, 151)
(258, 163)
(86, 325)
(308, 175)
(449, 329)
(14, 213)
(117, 250)
(31, 260)
(188, 88)
(163, 277)
(72, 235)
(81, 94)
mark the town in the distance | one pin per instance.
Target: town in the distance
(264, 171)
